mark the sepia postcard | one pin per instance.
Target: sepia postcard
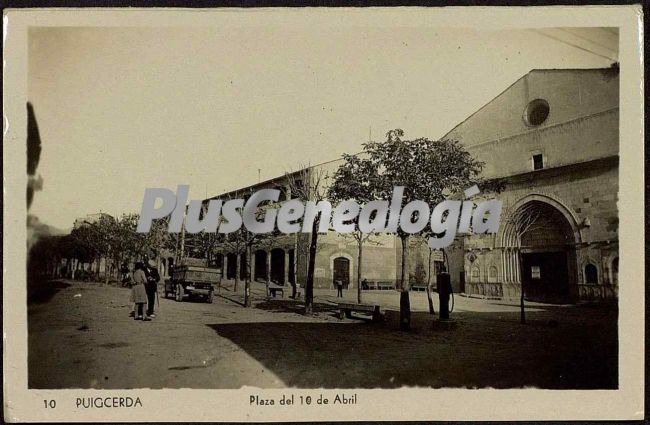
(319, 214)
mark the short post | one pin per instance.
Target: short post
(444, 291)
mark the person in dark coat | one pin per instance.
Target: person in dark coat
(126, 274)
(339, 288)
(153, 277)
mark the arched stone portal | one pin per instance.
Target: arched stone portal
(277, 266)
(546, 265)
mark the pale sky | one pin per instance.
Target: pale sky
(123, 109)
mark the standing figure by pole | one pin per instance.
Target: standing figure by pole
(444, 291)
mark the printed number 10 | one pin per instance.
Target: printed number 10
(49, 403)
(306, 400)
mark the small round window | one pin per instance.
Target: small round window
(536, 112)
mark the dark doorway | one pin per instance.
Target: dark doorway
(292, 267)
(170, 265)
(231, 266)
(243, 266)
(547, 252)
(277, 266)
(218, 260)
(591, 274)
(341, 271)
(461, 279)
(260, 265)
(545, 276)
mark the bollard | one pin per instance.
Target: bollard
(444, 291)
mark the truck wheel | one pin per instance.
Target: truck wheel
(209, 297)
(179, 292)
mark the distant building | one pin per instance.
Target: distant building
(286, 257)
(553, 137)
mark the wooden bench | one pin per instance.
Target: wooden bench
(385, 285)
(418, 288)
(379, 285)
(274, 289)
(346, 309)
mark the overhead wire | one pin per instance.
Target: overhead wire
(575, 46)
(588, 39)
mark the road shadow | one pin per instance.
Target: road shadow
(231, 298)
(40, 291)
(296, 306)
(482, 350)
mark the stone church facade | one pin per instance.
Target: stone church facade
(552, 137)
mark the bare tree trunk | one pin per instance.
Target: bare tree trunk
(106, 270)
(237, 268)
(404, 301)
(522, 314)
(182, 244)
(57, 262)
(247, 288)
(176, 244)
(429, 298)
(268, 273)
(293, 271)
(309, 287)
(359, 264)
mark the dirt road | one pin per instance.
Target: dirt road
(80, 336)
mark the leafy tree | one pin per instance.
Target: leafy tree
(354, 180)
(429, 170)
(45, 256)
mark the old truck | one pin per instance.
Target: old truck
(192, 281)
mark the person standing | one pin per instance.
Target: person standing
(126, 275)
(153, 277)
(339, 288)
(139, 293)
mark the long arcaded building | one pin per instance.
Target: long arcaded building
(552, 138)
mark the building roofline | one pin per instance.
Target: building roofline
(267, 181)
(534, 70)
(515, 82)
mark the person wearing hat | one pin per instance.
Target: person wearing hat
(153, 277)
